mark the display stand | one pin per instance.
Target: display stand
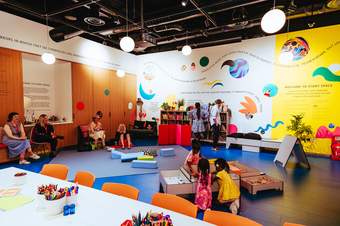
(291, 145)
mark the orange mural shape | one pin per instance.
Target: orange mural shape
(249, 107)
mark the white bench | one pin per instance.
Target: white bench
(253, 145)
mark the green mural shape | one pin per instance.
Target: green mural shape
(106, 92)
(204, 61)
(327, 74)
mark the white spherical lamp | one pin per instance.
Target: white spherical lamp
(120, 73)
(286, 57)
(273, 21)
(48, 58)
(127, 44)
(186, 50)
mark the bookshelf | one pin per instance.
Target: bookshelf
(174, 117)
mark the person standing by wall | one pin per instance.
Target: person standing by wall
(197, 116)
(215, 122)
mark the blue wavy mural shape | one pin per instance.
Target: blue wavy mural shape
(268, 126)
(145, 95)
(217, 84)
(327, 74)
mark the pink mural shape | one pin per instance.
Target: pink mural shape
(324, 132)
(232, 128)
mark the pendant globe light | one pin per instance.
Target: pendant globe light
(120, 73)
(273, 20)
(186, 50)
(127, 44)
(47, 58)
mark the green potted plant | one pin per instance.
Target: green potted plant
(299, 129)
(181, 104)
(165, 106)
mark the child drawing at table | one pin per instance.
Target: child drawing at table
(203, 191)
(228, 191)
(193, 156)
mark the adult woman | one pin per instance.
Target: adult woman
(16, 140)
(122, 135)
(198, 117)
(44, 132)
(96, 130)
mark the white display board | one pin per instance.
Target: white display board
(291, 145)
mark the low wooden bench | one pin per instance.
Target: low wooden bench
(253, 145)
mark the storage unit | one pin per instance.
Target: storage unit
(260, 183)
(174, 117)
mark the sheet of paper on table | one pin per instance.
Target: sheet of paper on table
(9, 203)
(9, 192)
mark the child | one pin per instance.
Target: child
(193, 157)
(203, 190)
(228, 190)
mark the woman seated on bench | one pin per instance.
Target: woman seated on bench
(122, 135)
(96, 131)
(43, 132)
(16, 140)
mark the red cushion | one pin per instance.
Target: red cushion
(2, 146)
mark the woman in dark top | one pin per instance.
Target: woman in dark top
(43, 132)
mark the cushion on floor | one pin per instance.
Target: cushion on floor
(116, 154)
(144, 164)
(128, 157)
(167, 152)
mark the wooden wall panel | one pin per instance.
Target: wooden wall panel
(117, 101)
(11, 84)
(101, 101)
(82, 91)
(130, 87)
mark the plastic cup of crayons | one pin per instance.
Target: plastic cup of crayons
(72, 195)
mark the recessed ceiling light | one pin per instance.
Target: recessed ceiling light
(184, 3)
(71, 18)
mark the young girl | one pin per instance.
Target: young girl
(193, 156)
(203, 190)
(228, 190)
(122, 135)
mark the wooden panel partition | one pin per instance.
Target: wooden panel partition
(88, 86)
(11, 83)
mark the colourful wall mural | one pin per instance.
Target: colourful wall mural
(264, 82)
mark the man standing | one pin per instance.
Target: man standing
(215, 122)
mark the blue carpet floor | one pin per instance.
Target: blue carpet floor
(310, 197)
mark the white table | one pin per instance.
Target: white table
(95, 207)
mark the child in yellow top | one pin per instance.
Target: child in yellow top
(228, 190)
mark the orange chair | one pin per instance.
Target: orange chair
(59, 171)
(227, 219)
(174, 203)
(85, 178)
(121, 190)
(292, 224)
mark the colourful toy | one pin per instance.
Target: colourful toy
(128, 157)
(146, 158)
(150, 219)
(335, 148)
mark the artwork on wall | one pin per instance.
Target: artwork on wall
(215, 83)
(106, 92)
(297, 47)
(329, 74)
(80, 105)
(145, 95)
(204, 61)
(237, 68)
(270, 90)
(268, 126)
(249, 108)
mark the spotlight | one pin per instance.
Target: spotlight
(184, 3)
(273, 21)
(120, 73)
(48, 58)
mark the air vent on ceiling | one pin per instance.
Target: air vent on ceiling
(94, 21)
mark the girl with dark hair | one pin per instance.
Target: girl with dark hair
(16, 140)
(197, 116)
(203, 191)
(228, 191)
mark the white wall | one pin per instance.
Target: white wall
(168, 78)
(51, 87)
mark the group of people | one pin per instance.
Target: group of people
(199, 116)
(16, 140)
(228, 190)
(97, 133)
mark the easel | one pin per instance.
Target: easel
(291, 145)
